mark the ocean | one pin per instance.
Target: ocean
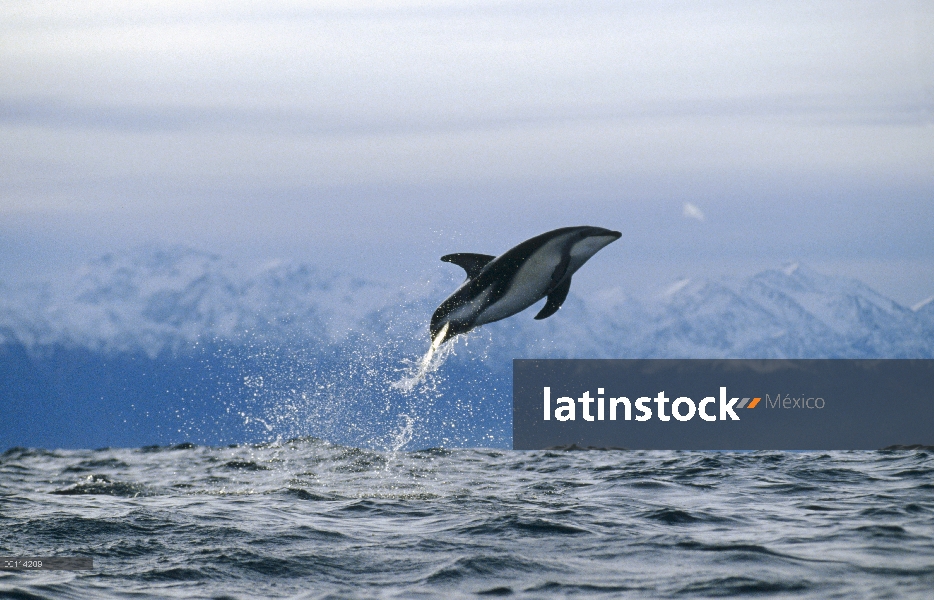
(309, 519)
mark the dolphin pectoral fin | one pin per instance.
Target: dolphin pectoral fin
(555, 300)
(472, 263)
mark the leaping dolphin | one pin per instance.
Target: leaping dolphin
(501, 286)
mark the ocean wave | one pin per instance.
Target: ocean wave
(304, 518)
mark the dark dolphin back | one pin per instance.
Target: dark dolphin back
(500, 271)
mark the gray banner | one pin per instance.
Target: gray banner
(723, 404)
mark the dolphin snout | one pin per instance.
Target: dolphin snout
(601, 232)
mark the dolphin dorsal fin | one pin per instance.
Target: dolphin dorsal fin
(472, 263)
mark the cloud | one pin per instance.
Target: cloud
(692, 212)
(47, 111)
(374, 120)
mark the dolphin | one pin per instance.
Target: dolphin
(501, 286)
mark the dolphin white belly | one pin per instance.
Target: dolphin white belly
(532, 281)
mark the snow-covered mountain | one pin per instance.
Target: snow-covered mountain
(169, 345)
(166, 300)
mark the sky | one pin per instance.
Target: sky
(721, 138)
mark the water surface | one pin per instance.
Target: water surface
(306, 519)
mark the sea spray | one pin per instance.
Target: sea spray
(370, 393)
(429, 363)
(399, 439)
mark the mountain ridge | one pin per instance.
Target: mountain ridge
(165, 300)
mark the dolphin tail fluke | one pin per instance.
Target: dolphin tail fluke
(555, 300)
(472, 263)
